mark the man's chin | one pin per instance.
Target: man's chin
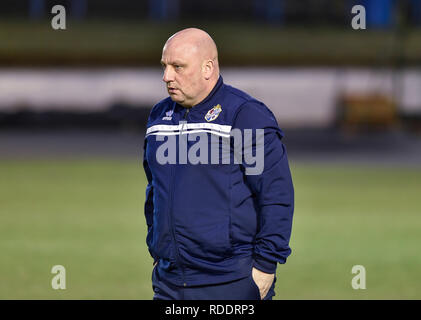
(176, 98)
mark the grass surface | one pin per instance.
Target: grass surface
(97, 42)
(87, 215)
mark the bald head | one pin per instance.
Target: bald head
(191, 70)
(196, 40)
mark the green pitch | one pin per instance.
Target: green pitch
(87, 215)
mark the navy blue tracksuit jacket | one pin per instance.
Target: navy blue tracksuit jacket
(210, 222)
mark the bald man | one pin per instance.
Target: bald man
(193, 52)
(220, 199)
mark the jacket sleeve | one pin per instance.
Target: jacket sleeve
(272, 187)
(149, 207)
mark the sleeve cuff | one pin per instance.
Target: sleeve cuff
(264, 265)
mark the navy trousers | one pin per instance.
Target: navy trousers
(242, 289)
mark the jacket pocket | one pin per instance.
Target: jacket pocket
(162, 246)
(207, 239)
(255, 288)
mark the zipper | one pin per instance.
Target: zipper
(177, 252)
(184, 118)
(186, 113)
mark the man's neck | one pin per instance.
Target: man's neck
(205, 94)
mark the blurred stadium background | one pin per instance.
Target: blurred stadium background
(73, 109)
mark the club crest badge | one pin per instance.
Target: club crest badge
(213, 113)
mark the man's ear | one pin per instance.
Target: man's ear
(207, 69)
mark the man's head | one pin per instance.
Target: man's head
(190, 62)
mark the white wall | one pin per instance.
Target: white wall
(296, 96)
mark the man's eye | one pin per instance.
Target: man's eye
(176, 67)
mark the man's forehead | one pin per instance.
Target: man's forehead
(165, 60)
(180, 52)
(179, 46)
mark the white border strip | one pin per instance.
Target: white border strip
(167, 133)
(168, 128)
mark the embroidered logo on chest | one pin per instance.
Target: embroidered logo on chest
(213, 113)
(168, 115)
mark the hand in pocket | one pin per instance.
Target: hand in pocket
(263, 281)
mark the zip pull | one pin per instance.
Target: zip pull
(184, 122)
(187, 112)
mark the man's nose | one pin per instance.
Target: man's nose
(168, 75)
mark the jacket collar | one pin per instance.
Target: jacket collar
(212, 93)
